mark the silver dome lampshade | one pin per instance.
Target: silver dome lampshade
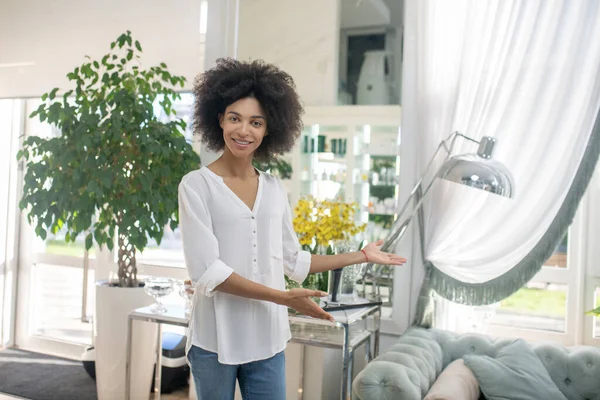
(479, 170)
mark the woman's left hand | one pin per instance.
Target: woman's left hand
(376, 256)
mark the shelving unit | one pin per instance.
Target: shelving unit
(350, 153)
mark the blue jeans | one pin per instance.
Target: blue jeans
(259, 380)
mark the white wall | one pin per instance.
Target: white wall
(301, 37)
(55, 35)
(364, 13)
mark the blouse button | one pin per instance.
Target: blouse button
(253, 217)
(253, 231)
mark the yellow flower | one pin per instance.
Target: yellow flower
(320, 222)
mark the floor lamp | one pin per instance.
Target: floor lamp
(477, 170)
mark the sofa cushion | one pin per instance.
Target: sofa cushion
(456, 382)
(385, 380)
(515, 373)
(419, 352)
(411, 363)
(575, 370)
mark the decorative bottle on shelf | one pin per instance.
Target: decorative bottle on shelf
(321, 144)
(305, 175)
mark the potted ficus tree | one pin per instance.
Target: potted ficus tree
(110, 176)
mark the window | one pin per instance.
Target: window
(540, 306)
(559, 258)
(170, 251)
(56, 244)
(56, 301)
(597, 319)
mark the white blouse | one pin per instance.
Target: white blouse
(222, 235)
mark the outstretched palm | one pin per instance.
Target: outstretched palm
(376, 256)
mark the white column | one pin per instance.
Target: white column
(221, 41)
(408, 279)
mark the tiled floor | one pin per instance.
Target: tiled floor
(180, 395)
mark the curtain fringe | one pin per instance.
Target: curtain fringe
(477, 294)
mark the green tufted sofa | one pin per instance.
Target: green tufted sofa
(407, 369)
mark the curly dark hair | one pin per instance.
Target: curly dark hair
(231, 80)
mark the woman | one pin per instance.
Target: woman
(238, 236)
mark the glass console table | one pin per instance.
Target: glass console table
(348, 332)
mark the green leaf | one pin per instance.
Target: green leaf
(138, 45)
(52, 94)
(93, 188)
(595, 311)
(96, 65)
(41, 232)
(163, 65)
(106, 179)
(89, 241)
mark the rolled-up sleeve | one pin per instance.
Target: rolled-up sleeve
(200, 246)
(296, 262)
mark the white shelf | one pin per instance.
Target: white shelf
(372, 128)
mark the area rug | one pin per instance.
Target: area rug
(41, 377)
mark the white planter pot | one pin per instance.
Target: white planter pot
(113, 305)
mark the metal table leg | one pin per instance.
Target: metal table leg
(345, 362)
(128, 358)
(368, 356)
(377, 330)
(350, 368)
(158, 371)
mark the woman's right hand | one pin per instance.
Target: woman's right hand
(300, 300)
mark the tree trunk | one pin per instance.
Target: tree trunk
(127, 263)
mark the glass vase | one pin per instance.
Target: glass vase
(342, 281)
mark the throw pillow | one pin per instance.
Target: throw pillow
(516, 373)
(456, 382)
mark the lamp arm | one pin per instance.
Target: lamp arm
(457, 134)
(449, 149)
(395, 236)
(395, 225)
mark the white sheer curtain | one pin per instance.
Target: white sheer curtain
(525, 72)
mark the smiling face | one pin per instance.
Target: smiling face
(244, 126)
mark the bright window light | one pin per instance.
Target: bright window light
(203, 16)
